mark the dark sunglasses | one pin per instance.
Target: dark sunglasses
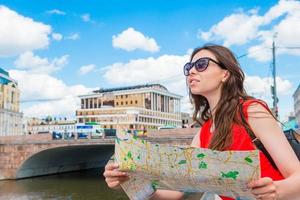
(200, 65)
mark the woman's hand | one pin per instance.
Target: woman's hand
(264, 188)
(114, 177)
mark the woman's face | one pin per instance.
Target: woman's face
(209, 81)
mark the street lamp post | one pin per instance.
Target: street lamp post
(273, 89)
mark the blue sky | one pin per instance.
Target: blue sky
(61, 49)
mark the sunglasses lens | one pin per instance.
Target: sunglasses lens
(186, 69)
(201, 64)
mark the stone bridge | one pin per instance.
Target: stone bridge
(36, 155)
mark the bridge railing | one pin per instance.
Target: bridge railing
(79, 136)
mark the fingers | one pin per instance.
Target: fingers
(260, 182)
(113, 184)
(111, 170)
(117, 179)
(114, 177)
(111, 166)
(114, 173)
(263, 188)
(266, 196)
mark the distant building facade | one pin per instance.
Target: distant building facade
(137, 107)
(186, 120)
(10, 115)
(296, 97)
(39, 126)
(291, 123)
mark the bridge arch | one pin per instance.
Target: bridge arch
(65, 158)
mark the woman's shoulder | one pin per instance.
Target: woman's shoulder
(256, 108)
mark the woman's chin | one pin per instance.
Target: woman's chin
(196, 91)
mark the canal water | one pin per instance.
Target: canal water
(84, 185)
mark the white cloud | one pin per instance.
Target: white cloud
(86, 69)
(74, 36)
(131, 39)
(57, 36)
(19, 34)
(283, 7)
(186, 105)
(86, 17)
(56, 11)
(243, 27)
(261, 87)
(35, 86)
(36, 64)
(284, 38)
(166, 70)
(146, 70)
(237, 28)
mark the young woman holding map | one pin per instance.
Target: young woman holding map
(232, 120)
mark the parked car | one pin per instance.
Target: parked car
(167, 127)
(98, 133)
(81, 135)
(110, 132)
(57, 135)
(69, 135)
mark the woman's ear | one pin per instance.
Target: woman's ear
(226, 75)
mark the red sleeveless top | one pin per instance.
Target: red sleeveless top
(242, 141)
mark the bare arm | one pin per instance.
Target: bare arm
(167, 195)
(270, 134)
(196, 140)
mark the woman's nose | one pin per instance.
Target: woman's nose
(192, 70)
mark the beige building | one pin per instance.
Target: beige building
(10, 117)
(296, 96)
(136, 107)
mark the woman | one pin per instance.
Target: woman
(229, 117)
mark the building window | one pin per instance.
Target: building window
(12, 97)
(126, 102)
(121, 96)
(136, 101)
(117, 103)
(130, 102)
(126, 96)
(121, 102)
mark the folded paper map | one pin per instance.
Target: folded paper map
(151, 166)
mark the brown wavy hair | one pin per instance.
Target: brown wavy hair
(232, 92)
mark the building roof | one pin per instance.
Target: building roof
(4, 77)
(130, 88)
(2, 71)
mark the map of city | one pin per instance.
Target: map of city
(151, 166)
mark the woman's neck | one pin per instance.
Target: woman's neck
(213, 103)
(213, 98)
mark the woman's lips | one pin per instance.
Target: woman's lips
(193, 81)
